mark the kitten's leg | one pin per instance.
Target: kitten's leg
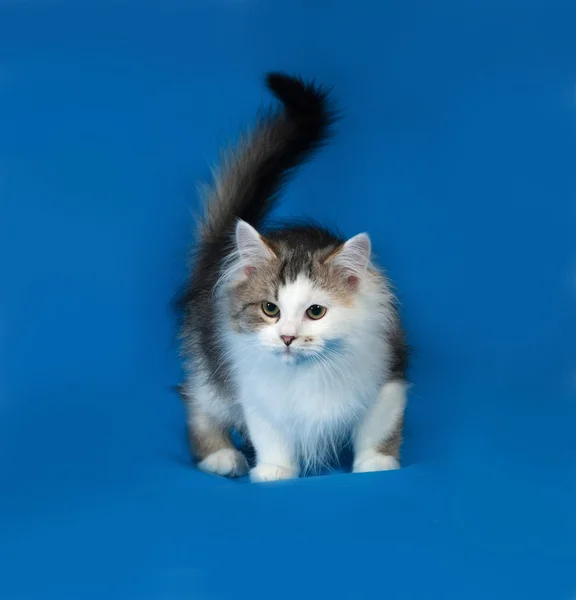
(210, 439)
(275, 458)
(378, 437)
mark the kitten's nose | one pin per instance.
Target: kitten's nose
(288, 339)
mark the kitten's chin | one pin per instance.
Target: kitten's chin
(289, 356)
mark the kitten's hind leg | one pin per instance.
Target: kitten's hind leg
(377, 440)
(211, 444)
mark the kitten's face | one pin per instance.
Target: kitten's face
(296, 301)
(315, 317)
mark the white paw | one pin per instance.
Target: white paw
(369, 462)
(226, 462)
(268, 472)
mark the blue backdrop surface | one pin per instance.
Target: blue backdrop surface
(457, 153)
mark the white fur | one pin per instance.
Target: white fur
(375, 461)
(382, 417)
(378, 424)
(299, 403)
(272, 472)
(209, 408)
(226, 462)
(275, 448)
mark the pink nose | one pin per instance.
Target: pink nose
(288, 339)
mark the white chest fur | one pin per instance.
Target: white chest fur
(328, 393)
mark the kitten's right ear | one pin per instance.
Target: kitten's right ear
(252, 249)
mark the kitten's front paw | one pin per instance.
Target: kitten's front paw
(268, 472)
(369, 462)
(226, 462)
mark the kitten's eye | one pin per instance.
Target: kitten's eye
(316, 312)
(270, 309)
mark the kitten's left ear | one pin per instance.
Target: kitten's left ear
(354, 257)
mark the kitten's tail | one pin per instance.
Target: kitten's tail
(252, 175)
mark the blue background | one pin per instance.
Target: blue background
(457, 152)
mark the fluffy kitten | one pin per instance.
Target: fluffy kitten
(291, 335)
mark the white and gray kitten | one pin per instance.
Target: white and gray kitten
(291, 335)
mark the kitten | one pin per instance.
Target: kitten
(291, 336)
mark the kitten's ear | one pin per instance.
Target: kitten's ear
(354, 257)
(253, 250)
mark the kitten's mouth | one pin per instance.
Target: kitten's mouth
(293, 356)
(288, 355)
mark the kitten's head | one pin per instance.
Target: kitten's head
(297, 291)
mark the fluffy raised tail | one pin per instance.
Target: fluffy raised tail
(251, 175)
